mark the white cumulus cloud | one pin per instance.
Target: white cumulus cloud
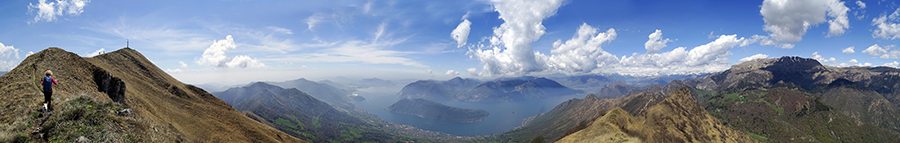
(183, 65)
(821, 59)
(757, 56)
(882, 52)
(472, 71)
(656, 42)
(887, 26)
(50, 11)
(861, 4)
(582, 53)
(95, 53)
(510, 53)
(6, 52)
(461, 33)
(217, 55)
(788, 20)
(848, 50)
(894, 64)
(451, 73)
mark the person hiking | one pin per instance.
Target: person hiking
(48, 89)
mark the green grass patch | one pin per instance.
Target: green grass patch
(780, 110)
(760, 94)
(758, 137)
(316, 122)
(701, 91)
(85, 116)
(733, 96)
(282, 121)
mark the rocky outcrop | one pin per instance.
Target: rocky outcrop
(112, 86)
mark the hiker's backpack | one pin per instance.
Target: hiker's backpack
(47, 83)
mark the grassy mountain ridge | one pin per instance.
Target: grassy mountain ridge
(798, 99)
(163, 109)
(678, 118)
(567, 116)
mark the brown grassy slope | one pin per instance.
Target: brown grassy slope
(678, 118)
(180, 111)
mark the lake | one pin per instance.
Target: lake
(503, 115)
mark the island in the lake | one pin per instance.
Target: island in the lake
(433, 110)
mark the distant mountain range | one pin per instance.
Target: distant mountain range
(866, 94)
(471, 90)
(783, 99)
(302, 115)
(334, 96)
(595, 82)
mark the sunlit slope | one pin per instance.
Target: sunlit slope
(575, 114)
(163, 109)
(678, 118)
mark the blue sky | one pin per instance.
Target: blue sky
(237, 41)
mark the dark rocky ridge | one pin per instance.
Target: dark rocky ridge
(433, 110)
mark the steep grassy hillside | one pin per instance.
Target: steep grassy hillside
(790, 115)
(575, 114)
(91, 89)
(678, 118)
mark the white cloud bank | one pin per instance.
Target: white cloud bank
(50, 11)
(894, 64)
(788, 20)
(510, 52)
(750, 58)
(882, 52)
(217, 55)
